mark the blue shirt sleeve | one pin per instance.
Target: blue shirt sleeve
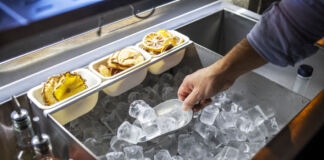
(288, 30)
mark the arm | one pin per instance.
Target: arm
(219, 76)
(285, 35)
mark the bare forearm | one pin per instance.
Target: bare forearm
(241, 59)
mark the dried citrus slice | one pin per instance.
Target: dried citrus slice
(154, 42)
(129, 57)
(103, 70)
(164, 33)
(48, 89)
(179, 40)
(69, 84)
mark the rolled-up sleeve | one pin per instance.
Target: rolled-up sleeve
(287, 31)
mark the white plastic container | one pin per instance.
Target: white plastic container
(170, 58)
(75, 110)
(133, 78)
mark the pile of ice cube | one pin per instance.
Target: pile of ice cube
(223, 131)
(148, 125)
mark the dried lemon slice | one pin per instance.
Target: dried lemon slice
(154, 42)
(164, 33)
(69, 84)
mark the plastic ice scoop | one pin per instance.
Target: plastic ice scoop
(169, 117)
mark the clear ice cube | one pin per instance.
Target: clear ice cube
(118, 145)
(169, 93)
(271, 126)
(137, 107)
(229, 153)
(209, 114)
(226, 120)
(129, 132)
(185, 141)
(256, 135)
(197, 151)
(162, 155)
(256, 115)
(146, 115)
(204, 130)
(133, 96)
(115, 156)
(166, 78)
(111, 121)
(166, 124)
(134, 152)
(244, 123)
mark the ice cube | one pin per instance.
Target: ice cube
(115, 156)
(209, 114)
(178, 78)
(226, 120)
(158, 87)
(166, 124)
(244, 123)
(151, 129)
(185, 141)
(255, 135)
(133, 96)
(95, 146)
(168, 93)
(118, 145)
(146, 115)
(177, 158)
(169, 142)
(223, 138)
(134, 152)
(256, 115)
(256, 146)
(235, 134)
(197, 151)
(228, 153)
(111, 121)
(235, 108)
(137, 107)
(128, 132)
(162, 155)
(151, 96)
(150, 152)
(166, 78)
(204, 130)
(271, 126)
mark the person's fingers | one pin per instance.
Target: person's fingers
(202, 104)
(190, 101)
(205, 102)
(184, 90)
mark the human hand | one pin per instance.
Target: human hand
(201, 85)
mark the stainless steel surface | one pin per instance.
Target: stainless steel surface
(229, 27)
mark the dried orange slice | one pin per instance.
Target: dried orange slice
(154, 42)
